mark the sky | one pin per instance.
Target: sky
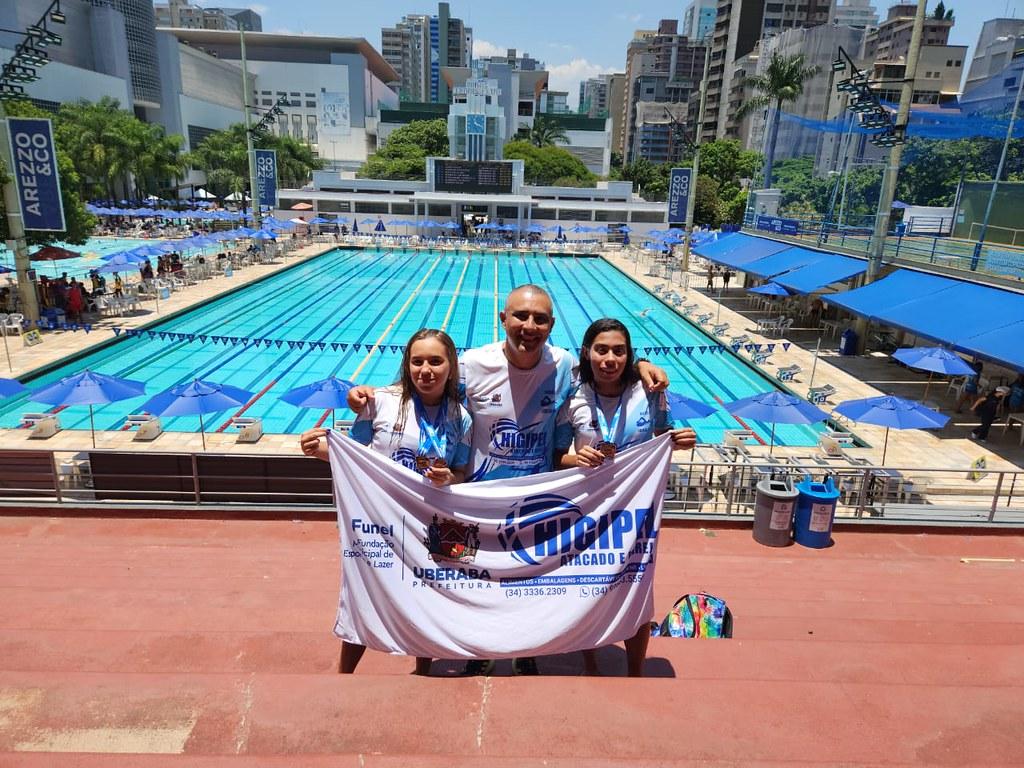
(577, 39)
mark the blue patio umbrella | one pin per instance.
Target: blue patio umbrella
(770, 289)
(263, 234)
(331, 392)
(367, 220)
(685, 408)
(625, 238)
(561, 234)
(10, 387)
(933, 360)
(196, 398)
(355, 227)
(892, 412)
(88, 388)
(624, 228)
(121, 262)
(535, 229)
(449, 225)
(380, 226)
(777, 408)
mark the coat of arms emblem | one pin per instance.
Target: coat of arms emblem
(449, 539)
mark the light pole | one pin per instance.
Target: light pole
(257, 214)
(21, 68)
(999, 172)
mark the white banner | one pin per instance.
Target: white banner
(534, 565)
(335, 113)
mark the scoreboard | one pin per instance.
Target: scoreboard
(473, 177)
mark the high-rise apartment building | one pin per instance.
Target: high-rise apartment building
(999, 42)
(739, 25)
(182, 15)
(418, 47)
(662, 67)
(699, 19)
(854, 13)
(891, 40)
(602, 96)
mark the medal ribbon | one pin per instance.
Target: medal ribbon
(432, 434)
(608, 432)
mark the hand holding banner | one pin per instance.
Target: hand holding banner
(534, 565)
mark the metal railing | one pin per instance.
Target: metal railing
(120, 481)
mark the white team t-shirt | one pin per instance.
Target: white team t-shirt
(514, 409)
(379, 427)
(642, 415)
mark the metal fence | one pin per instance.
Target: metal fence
(116, 481)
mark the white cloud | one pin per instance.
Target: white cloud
(483, 49)
(567, 77)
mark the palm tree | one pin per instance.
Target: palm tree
(782, 81)
(546, 132)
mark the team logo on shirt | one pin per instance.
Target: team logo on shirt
(643, 422)
(509, 438)
(537, 520)
(496, 398)
(449, 539)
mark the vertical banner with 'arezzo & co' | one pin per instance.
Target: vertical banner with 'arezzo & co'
(541, 565)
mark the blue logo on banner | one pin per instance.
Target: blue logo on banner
(35, 173)
(678, 195)
(266, 177)
(779, 225)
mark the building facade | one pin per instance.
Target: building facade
(739, 25)
(333, 87)
(999, 42)
(818, 45)
(419, 46)
(610, 202)
(890, 41)
(859, 14)
(179, 13)
(476, 121)
(699, 19)
(662, 68)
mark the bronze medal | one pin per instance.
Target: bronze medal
(422, 463)
(606, 448)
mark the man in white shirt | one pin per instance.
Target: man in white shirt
(513, 390)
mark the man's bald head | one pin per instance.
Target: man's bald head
(528, 319)
(528, 292)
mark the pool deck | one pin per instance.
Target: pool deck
(208, 643)
(853, 377)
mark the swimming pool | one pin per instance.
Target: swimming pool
(342, 303)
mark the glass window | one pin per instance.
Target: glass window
(371, 208)
(404, 208)
(311, 105)
(507, 212)
(648, 217)
(311, 129)
(439, 210)
(543, 213)
(525, 108)
(618, 216)
(335, 206)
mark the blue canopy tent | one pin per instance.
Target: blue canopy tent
(816, 275)
(976, 319)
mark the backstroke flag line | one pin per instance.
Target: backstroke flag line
(534, 565)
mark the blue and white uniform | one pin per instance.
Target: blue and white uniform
(589, 418)
(514, 409)
(378, 426)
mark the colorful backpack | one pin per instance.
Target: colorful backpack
(697, 615)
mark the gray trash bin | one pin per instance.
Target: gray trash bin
(773, 512)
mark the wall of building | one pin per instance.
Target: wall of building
(59, 83)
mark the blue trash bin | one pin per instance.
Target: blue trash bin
(815, 512)
(848, 342)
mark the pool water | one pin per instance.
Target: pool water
(361, 298)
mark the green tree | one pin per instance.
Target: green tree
(547, 133)
(404, 154)
(941, 14)
(707, 206)
(79, 223)
(223, 157)
(650, 181)
(97, 136)
(783, 81)
(547, 165)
